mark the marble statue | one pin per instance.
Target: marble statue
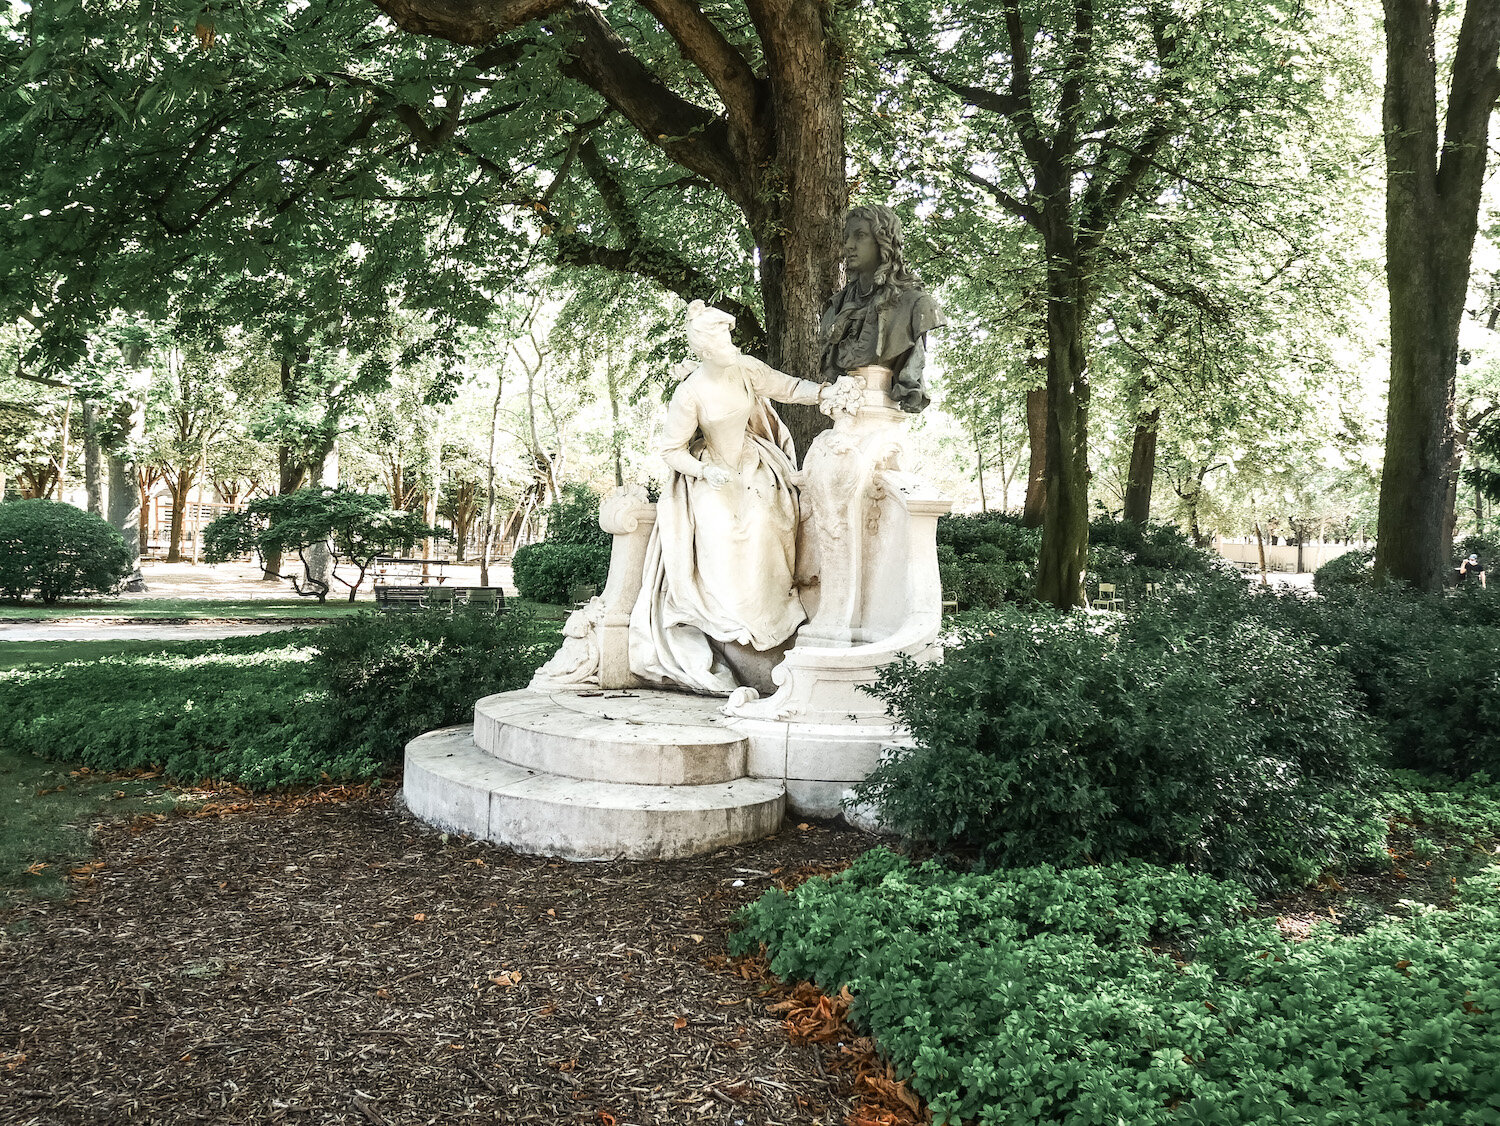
(882, 316)
(718, 602)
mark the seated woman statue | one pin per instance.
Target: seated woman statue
(717, 603)
(882, 317)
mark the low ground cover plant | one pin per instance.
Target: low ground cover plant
(1228, 746)
(273, 709)
(55, 550)
(1140, 994)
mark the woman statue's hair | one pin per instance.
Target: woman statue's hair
(885, 226)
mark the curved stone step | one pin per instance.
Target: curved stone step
(454, 784)
(639, 737)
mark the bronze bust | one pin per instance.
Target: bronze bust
(882, 316)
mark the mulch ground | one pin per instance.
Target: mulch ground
(336, 962)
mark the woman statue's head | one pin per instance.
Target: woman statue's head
(708, 331)
(883, 227)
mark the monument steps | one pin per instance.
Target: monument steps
(604, 796)
(639, 736)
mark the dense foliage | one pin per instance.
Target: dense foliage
(575, 552)
(57, 551)
(1351, 569)
(574, 518)
(273, 709)
(1032, 996)
(988, 559)
(1425, 667)
(1218, 742)
(389, 679)
(356, 527)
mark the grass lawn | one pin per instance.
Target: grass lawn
(14, 654)
(48, 810)
(49, 813)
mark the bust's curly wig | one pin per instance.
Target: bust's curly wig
(885, 226)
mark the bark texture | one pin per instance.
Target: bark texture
(1035, 510)
(1142, 475)
(1433, 192)
(93, 466)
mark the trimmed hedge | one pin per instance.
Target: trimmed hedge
(58, 551)
(548, 572)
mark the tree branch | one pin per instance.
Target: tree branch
(704, 45)
(1004, 198)
(469, 23)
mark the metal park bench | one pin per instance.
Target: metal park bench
(400, 598)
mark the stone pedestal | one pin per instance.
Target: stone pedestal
(868, 561)
(628, 516)
(596, 640)
(591, 775)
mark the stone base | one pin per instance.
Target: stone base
(637, 775)
(818, 762)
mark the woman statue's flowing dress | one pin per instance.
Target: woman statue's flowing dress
(718, 582)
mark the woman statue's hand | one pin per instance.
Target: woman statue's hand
(717, 478)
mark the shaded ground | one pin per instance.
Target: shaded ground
(337, 963)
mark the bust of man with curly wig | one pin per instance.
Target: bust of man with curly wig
(882, 316)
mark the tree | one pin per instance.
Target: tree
(1086, 112)
(751, 107)
(1433, 186)
(357, 526)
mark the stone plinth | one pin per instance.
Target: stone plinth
(593, 775)
(869, 543)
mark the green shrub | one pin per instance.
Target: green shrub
(1352, 569)
(1031, 996)
(388, 679)
(988, 559)
(1222, 744)
(58, 551)
(547, 571)
(1427, 667)
(274, 709)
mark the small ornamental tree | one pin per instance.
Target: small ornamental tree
(58, 550)
(356, 527)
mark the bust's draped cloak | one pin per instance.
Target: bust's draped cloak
(881, 328)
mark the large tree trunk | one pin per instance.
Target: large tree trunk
(93, 467)
(292, 472)
(1432, 214)
(1035, 510)
(1065, 531)
(125, 507)
(179, 484)
(1142, 475)
(776, 151)
(805, 194)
